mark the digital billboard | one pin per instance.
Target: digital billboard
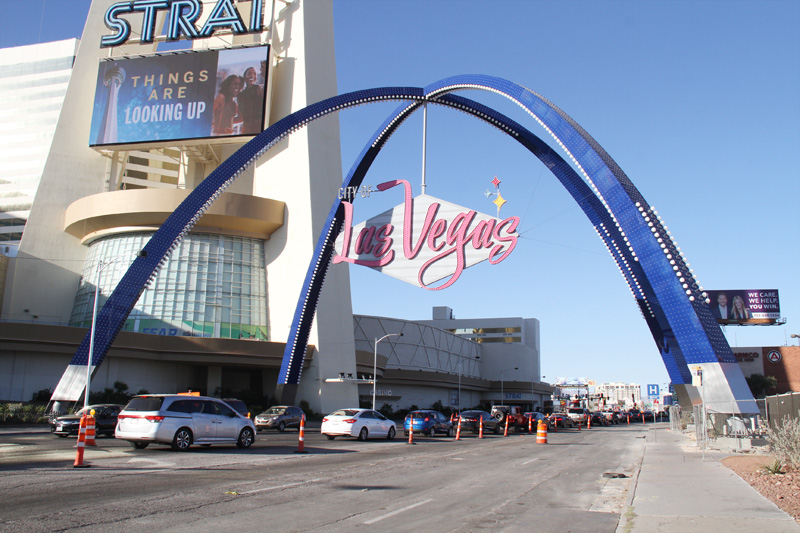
(745, 306)
(181, 96)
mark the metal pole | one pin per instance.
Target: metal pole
(91, 335)
(374, 372)
(461, 369)
(375, 365)
(424, 142)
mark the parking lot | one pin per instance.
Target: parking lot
(436, 483)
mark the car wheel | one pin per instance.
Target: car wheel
(450, 432)
(432, 432)
(246, 438)
(331, 437)
(182, 440)
(497, 429)
(363, 434)
(139, 445)
(391, 434)
(282, 427)
(499, 416)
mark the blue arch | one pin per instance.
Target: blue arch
(599, 216)
(665, 289)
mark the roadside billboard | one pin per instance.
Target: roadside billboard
(181, 96)
(761, 306)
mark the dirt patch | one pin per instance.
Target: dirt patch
(781, 489)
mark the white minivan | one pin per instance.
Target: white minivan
(181, 420)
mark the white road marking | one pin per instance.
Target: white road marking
(277, 487)
(389, 515)
(155, 462)
(530, 461)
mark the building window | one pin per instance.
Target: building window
(211, 286)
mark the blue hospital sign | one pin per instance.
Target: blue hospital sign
(652, 391)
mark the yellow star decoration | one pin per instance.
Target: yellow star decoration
(499, 201)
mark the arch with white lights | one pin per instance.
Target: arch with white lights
(664, 287)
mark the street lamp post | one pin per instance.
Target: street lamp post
(796, 336)
(502, 381)
(461, 371)
(375, 365)
(100, 266)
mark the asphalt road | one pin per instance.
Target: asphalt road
(496, 483)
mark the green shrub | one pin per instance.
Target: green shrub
(775, 467)
(19, 413)
(784, 441)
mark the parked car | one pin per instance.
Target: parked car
(180, 421)
(361, 423)
(535, 417)
(557, 420)
(104, 424)
(239, 405)
(579, 415)
(280, 417)
(598, 418)
(428, 423)
(613, 417)
(648, 415)
(509, 414)
(634, 414)
(471, 421)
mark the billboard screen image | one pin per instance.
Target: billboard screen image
(195, 95)
(745, 306)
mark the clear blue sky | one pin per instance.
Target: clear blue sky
(697, 101)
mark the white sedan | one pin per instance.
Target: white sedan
(361, 423)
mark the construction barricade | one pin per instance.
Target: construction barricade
(80, 446)
(91, 422)
(301, 438)
(541, 433)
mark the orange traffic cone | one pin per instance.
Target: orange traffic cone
(505, 431)
(301, 438)
(530, 425)
(589, 422)
(480, 428)
(81, 441)
(90, 433)
(541, 433)
(458, 431)
(411, 431)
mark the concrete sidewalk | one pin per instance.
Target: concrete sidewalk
(675, 489)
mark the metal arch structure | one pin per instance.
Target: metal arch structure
(665, 289)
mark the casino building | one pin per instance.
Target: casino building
(131, 119)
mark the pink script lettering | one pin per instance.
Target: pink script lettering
(443, 237)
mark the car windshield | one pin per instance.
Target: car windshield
(576, 410)
(275, 411)
(345, 412)
(419, 414)
(145, 403)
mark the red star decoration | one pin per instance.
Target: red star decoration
(496, 182)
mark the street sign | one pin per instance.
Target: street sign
(774, 356)
(697, 376)
(652, 391)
